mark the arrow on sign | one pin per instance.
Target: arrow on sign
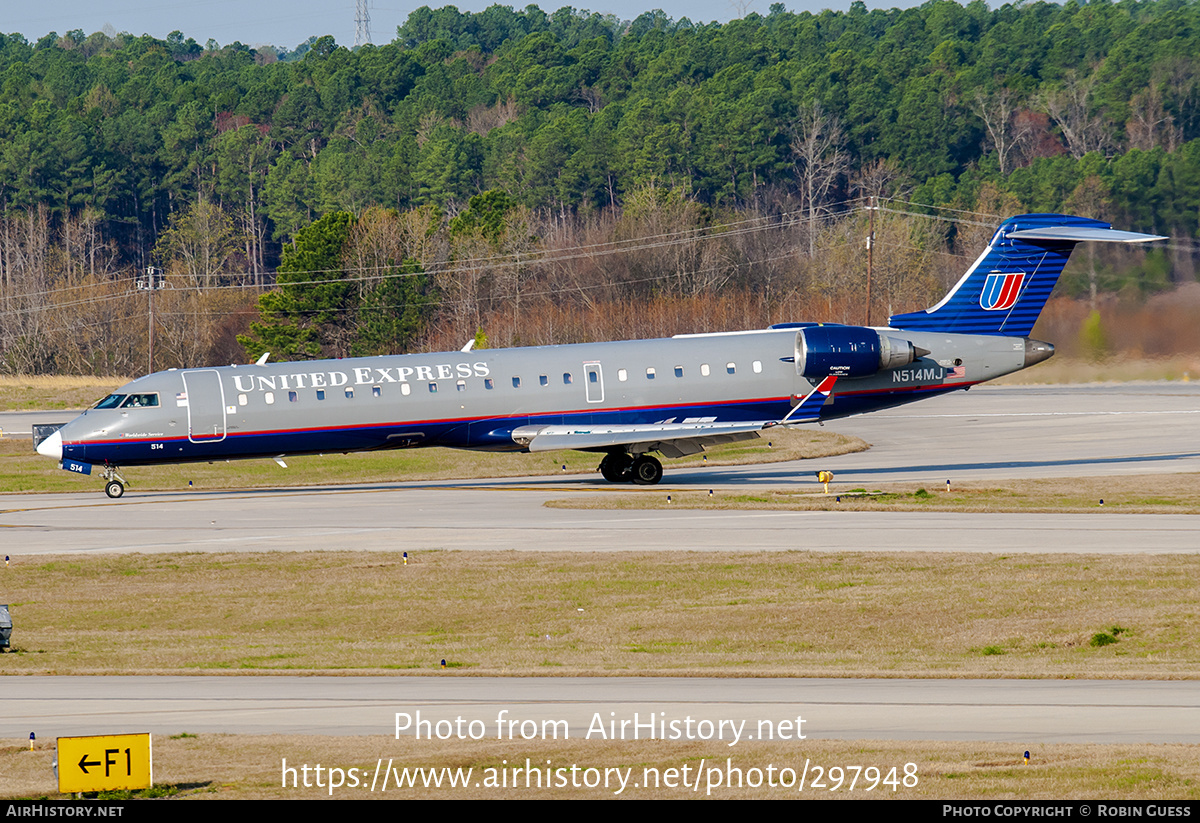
(84, 763)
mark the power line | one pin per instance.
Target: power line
(541, 257)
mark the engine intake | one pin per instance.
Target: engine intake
(850, 351)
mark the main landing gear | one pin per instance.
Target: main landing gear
(619, 467)
(114, 484)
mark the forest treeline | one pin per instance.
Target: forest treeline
(565, 176)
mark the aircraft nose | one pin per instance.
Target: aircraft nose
(51, 446)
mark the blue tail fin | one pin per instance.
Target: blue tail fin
(1004, 291)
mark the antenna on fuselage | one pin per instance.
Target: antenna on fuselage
(470, 345)
(262, 361)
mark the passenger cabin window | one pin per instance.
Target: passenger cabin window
(349, 394)
(729, 367)
(462, 385)
(757, 366)
(270, 398)
(320, 394)
(405, 389)
(433, 388)
(622, 375)
(704, 369)
(243, 400)
(679, 371)
(516, 382)
(649, 374)
(544, 380)
(292, 397)
(567, 378)
(488, 383)
(376, 391)
(593, 377)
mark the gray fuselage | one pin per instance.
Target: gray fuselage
(476, 399)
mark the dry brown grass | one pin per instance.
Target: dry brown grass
(1066, 370)
(1135, 494)
(651, 613)
(46, 391)
(221, 767)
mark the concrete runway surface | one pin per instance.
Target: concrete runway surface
(990, 432)
(1021, 711)
(987, 433)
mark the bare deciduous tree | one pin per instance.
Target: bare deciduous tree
(201, 240)
(1149, 124)
(820, 161)
(1005, 131)
(1071, 109)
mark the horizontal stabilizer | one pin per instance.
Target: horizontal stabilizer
(1080, 234)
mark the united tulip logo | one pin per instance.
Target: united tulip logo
(1001, 290)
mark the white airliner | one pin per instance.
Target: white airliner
(624, 400)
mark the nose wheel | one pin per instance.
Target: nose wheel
(114, 484)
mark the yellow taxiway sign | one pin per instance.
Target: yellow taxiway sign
(104, 762)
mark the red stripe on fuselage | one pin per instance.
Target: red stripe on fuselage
(461, 420)
(429, 422)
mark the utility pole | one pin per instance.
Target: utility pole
(150, 282)
(362, 24)
(871, 209)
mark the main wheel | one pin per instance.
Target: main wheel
(647, 470)
(114, 489)
(615, 467)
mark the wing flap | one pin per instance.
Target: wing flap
(672, 439)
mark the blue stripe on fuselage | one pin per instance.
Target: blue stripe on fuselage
(492, 433)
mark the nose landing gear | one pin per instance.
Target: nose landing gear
(114, 484)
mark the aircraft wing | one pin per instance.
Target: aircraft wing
(670, 438)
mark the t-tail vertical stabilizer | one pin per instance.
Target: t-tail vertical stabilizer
(1004, 291)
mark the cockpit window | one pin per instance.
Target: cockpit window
(137, 401)
(110, 402)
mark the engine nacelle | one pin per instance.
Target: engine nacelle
(850, 351)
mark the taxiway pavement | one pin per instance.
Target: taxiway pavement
(990, 432)
(987, 433)
(1021, 711)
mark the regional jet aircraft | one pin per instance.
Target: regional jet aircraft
(624, 400)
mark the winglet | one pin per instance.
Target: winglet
(810, 407)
